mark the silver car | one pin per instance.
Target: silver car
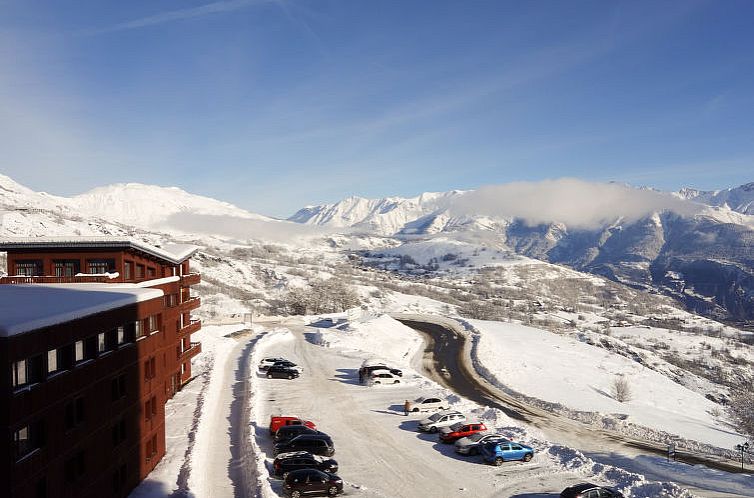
(471, 445)
(440, 419)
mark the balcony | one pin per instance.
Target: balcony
(190, 328)
(79, 279)
(195, 349)
(190, 304)
(190, 279)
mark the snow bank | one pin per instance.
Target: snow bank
(380, 335)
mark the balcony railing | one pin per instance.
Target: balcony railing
(195, 349)
(191, 304)
(190, 279)
(55, 280)
(190, 328)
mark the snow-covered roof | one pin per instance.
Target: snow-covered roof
(24, 308)
(173, 253)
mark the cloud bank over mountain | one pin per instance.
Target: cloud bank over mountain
(577, 203)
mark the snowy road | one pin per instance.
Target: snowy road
(379, 450)
(445, 350)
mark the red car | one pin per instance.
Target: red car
(459, 430)
(278, 422)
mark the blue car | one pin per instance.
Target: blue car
(498, 453)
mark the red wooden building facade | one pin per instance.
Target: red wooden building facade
(83, 398)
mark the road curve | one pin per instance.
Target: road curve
(447, 350)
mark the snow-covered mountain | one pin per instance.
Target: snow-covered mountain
(151, 206)
(698, 247)
(133, 204)
(740, 199)
(384, 216)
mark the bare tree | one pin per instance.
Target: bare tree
(621, 389)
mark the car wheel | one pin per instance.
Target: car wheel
(296, 494)
(290, 377)
(332, 490)
(433, 430)
(396, 381)
(498, 461)
(376, 381)
(527, 457)
(415, 410)
(269, 376)
(285, 474)
(474, 451)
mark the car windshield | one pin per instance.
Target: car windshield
(435, 417)
(456, 427)
(476, 437)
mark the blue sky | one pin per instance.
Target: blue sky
(273, 105)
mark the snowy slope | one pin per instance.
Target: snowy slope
(150, 206)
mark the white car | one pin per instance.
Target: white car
(470, 445)
(425, 404)
(269, 361)
(434, 422)
(383, 377)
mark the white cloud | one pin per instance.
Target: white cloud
(577, 203)
(179, 15)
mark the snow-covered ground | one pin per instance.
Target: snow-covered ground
(564, 370)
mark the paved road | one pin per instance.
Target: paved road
(446, 362)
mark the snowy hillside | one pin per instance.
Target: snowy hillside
(150, 206)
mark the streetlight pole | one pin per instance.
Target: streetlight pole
(743, 448)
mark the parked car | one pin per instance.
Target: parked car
(311, 482)
(428, 404)
(498, 453)
(288, 432)
(317, 444)
(470, 445)
(288, 462)
(458, 430)
(440, 419)
(278, 422)
(269, 361)
(383, 377)
(280, 372)
(370, 366)
(588, 490)
(289, 364)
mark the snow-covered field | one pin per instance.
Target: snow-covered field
(563, 370)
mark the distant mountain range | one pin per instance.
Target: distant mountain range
(705, 259)
(696, 246)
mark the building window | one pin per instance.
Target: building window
(66, 267)
(150, 272)
(29, 267)
(19, 373)
(139, 272)
(121, 335)
(52, 361)
(138, 329)
(119, 478)
(151, 449)
(100, 266)
(75, 467)
(150, 369)
(150, 408)
(118, 387)
(74, 413)
(154, 323)
(27, 439)
(118, 432)
(128, 270)
(101, 346)
(78, 351)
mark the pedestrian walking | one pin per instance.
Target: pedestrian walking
(406, 408)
